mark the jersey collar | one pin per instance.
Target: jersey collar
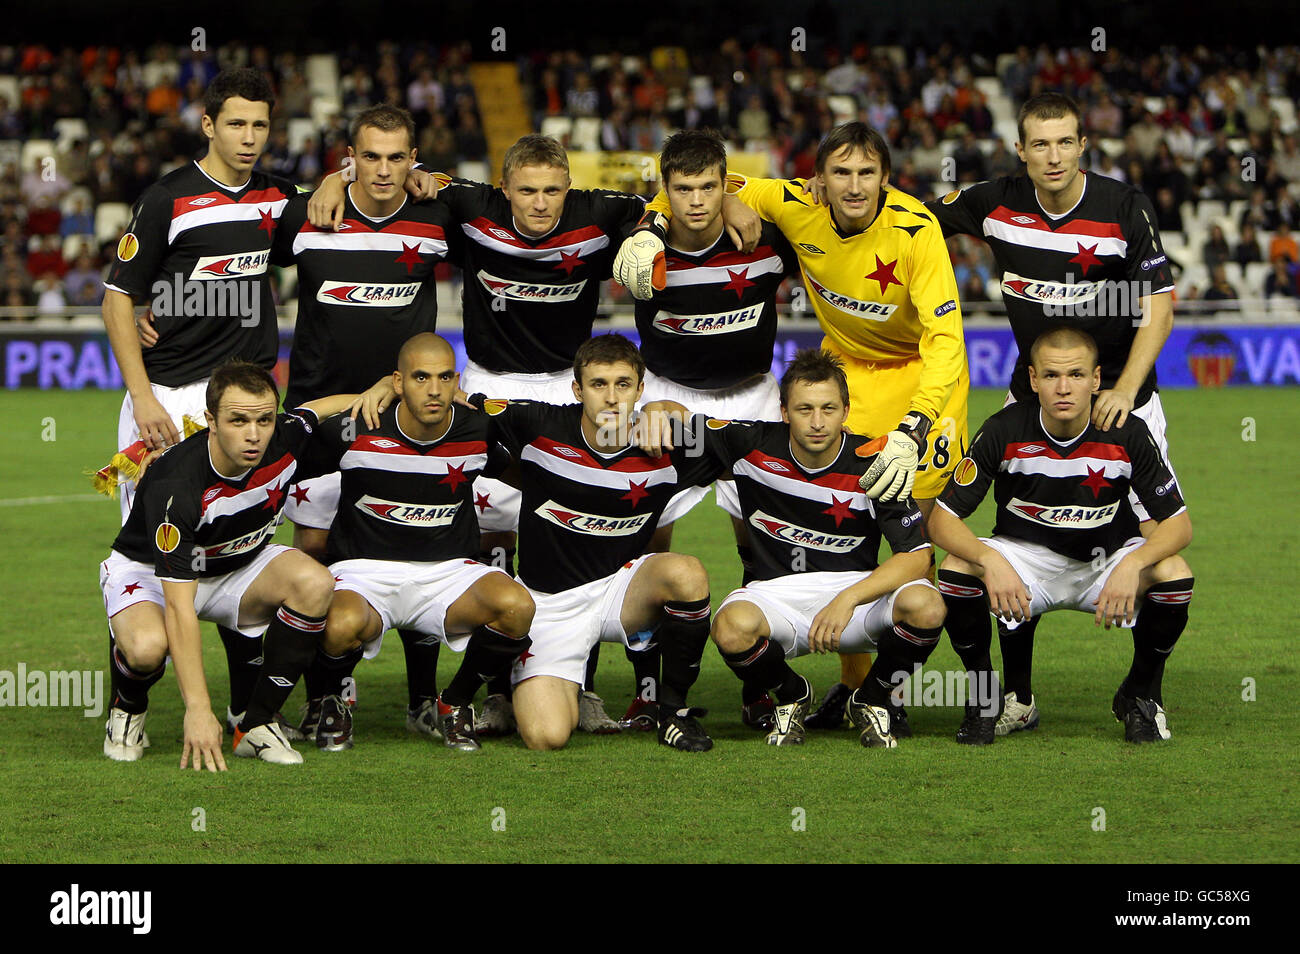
(880, 207)
(228, 188)
(405, 198)
(1056, 440)
(1057, 217)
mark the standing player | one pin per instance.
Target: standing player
(1065, 537)
(881, 283)
(591, 501)
(197, 546)
(707, 340)
(401, 550)
(1081, 247)
(815, 536)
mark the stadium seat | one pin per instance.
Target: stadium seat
(72, 195)
(300, 130)
(843, 107)
(1253, 279)
(322, 73)
(323, 108)
(1285, 112)
(10, 90)
(110, 219)
(69, 130)
(75, 244)
(478, 171)
(1111, 147)
(34, 150)
(1211, 212)
(586, 134)
(558, 128)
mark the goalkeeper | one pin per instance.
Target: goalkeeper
(876, 269)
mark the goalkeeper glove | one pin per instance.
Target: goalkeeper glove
(898, 453)
(639, 265)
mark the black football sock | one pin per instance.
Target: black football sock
(500, 685)
(589, 674)
(763, 667)
(325, 675)
(287, 652)
(1160, 621)
(682, 638)
(645, 667)
(421, 666)
(130, 686)
(1018, 657)
(967, 620)
(746, 564)
(244, 659)
(901, 651)
(503, 558)
(488, 654)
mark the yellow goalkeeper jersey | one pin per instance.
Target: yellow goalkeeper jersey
(884, 294)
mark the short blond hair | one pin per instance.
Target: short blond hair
(534, 150)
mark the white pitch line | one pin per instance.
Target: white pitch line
(65, 498)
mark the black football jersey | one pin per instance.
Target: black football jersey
(714, 324)
(362, 291)
(192, 523)
(402, 499)
(803, 520)
(1069, 496)
(1086, 269)
(584, 513)
(198, 251)
(530, 302)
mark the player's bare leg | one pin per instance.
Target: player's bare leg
(546, 709)
(137, 658)
(741, 633)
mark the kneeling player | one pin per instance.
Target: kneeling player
(591, 501)
(815, 534)
(1065, 536)
(400, 547)
(196, 546)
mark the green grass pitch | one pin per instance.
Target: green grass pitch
(1220, 791)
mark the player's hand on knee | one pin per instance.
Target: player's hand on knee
(203, 741)
(743, 224)
(1117, 602)
(1008, 596)
(891, 475)
(154, 423)
(145, 328)
(640, 266)
(325, 207)
(829, 624)
(1111, 407)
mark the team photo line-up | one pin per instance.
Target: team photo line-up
(413, 484)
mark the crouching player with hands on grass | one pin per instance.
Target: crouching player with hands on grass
(196, 545)
(817, 586)
(1065, 536)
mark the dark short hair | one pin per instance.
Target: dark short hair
(386, 118)
(692, 152)
(814, 365)
(1048, 106)
(855, 135)
(1064, 336)
(607, 349)
(244, 82)
(244, 375)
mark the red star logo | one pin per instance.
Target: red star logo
(455, 477)
(738, 282)
(884, 274)
(1086, 258)
(636, 492)
(267, 223)
(130, 588)
(524, 657)
(273, 495)
(481, 501)
(410, 256)
(1096, 480)
(839, 510)
(569, 261)
(299, 493)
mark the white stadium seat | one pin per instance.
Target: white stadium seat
(110, 219)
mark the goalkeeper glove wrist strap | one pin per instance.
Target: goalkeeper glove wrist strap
(655, 222)
(916, 426)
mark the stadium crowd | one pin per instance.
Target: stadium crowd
(1210, 136)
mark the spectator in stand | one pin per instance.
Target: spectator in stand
(1220, 290)
(83, 285)
(753, 121)
(1283, 245)
(969, 160)
(1247, 247)
(438, 144)
(1105, 166)
(43, 217)
(17, 294)
(582, 99)
(1002, 161)
(1259, 212)
(46, 257)
(49, 296)
(1281, 281)
(1216, 250)
(471, 145)
(1169, 217)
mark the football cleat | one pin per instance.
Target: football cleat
(310, 715)
(497, 717)
(681, 729)
(267, 744)
(124, 738)
(458, 728)
(977, 728)
(1016, 716)
(759, 714)
(873, 724)
(424, 720)
(334, 731)
(592, 716)
(1144, 719)
(788, 719)
(291, 732)
(830, 714)
(641, 716)
(900, 725)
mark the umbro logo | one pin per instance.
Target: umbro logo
(807, 247)
(208, 497)
(1022, 219)
(281, 682)
(206, 200)
(568, 452)
(385, 444)
(776, 466)
(1032, 448)
(343, 226)
(501, 234)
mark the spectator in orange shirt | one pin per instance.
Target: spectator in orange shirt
(1283, 245)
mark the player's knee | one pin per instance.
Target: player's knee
(1171, 568)
(920, 606)
(310, 587)
(344, 626)
(512, 608)
(686, 578)
(545, 735)
(144, 650)
(732, 631)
